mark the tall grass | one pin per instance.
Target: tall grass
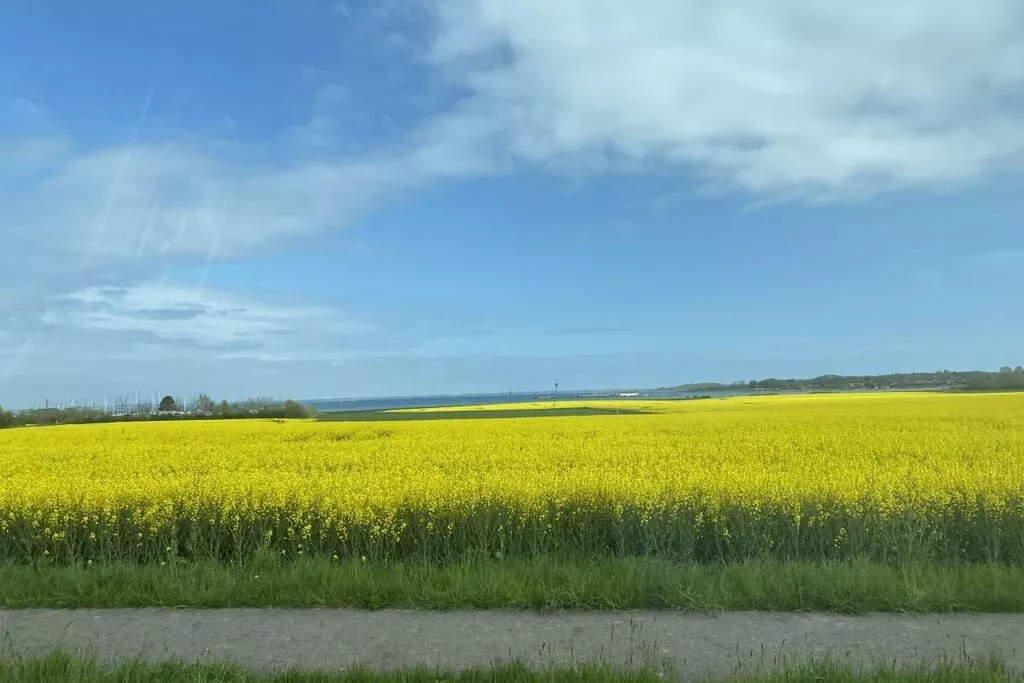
(266, 581)
(960, 532)
(61, 666)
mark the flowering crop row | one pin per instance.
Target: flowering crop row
(886, 476)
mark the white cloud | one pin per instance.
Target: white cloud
(153, 200)
(197, 315)
(774, 98)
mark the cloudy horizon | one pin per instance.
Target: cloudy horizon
(313, 198)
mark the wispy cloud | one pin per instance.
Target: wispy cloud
(199, 316)
(152, 200)
(776, 100)
(785, 100)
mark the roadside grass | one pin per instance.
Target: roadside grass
(603, 583)
(990, 670)
(61, 666)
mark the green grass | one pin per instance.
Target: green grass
(700, 531)
(988, 671)
(851, 587)
(60, 666)
(468, 414)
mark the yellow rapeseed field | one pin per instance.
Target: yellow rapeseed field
(886, 476)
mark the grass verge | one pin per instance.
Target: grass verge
(852, 587)
(60, 666)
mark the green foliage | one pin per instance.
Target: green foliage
(60, 666)
(205, 408)
(1007, 379)
(544, 583)
(205, 404)
(294, 409)
(990, 670)
(943, 379)
(960, 532)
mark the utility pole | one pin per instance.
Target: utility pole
(556, 391)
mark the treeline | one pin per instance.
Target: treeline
(202, 408)
(1006, 379)
(1003, 381)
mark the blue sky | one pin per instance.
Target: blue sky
(316, 198)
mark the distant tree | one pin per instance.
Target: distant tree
(1018, 369)
(204, 404)
(294, 409)
(167, 405)
(224, 409)
(6, 419)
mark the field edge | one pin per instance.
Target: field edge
(629, 583)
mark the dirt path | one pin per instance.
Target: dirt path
(694, 645)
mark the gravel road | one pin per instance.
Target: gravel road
(691, 645)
